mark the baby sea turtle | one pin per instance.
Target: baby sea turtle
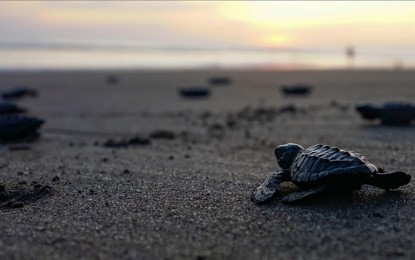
(9, 108)
(321, 168)
(18, 127)
(194, 92)
(389, 114)
(18, 92)
(298, 89)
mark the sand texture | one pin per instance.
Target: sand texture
(185, 193)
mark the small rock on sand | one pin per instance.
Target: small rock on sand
(194, 92)
(162, 134)
(123, 143)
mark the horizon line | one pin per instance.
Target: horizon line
(144, 47)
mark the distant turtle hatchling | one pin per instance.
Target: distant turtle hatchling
(321, 168)
(389, 114)
(18, 92)
(298, 89)
(13, 127)
(10, 108)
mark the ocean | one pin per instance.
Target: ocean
(63, 57)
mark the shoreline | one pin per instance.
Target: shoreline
(202, 69)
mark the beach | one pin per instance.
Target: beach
(186, 194)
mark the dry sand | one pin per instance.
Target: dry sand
(189, 197)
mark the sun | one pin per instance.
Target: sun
(277, 40)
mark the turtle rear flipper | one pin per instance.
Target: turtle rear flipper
(299, 196)
(268, 188)
(388, 181)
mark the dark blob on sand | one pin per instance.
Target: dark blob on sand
(296, 90)
(126, 142)
(19, 92)
(162, 134)
(194, 92)
(112, 79)
(388, 114)
(19, 127)
(7, 108)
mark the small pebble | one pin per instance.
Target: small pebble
(16, 205)
(378, 215)
(162, 134)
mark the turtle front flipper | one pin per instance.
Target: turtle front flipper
(305, 194)
(267, 189)
(388, 181)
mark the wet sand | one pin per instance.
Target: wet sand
(188, 196)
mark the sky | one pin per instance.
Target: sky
(212, 24)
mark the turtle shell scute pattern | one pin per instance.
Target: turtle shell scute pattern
(320, 161)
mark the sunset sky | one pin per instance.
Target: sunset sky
(212, 24)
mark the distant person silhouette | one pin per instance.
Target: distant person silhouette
(350, 54)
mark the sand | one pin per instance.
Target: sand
(188, 197)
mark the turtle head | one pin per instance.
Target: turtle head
(369, 111)
(286, 154)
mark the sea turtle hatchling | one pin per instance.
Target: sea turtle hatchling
(393, 113)
(321, 168)
(14, 127)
